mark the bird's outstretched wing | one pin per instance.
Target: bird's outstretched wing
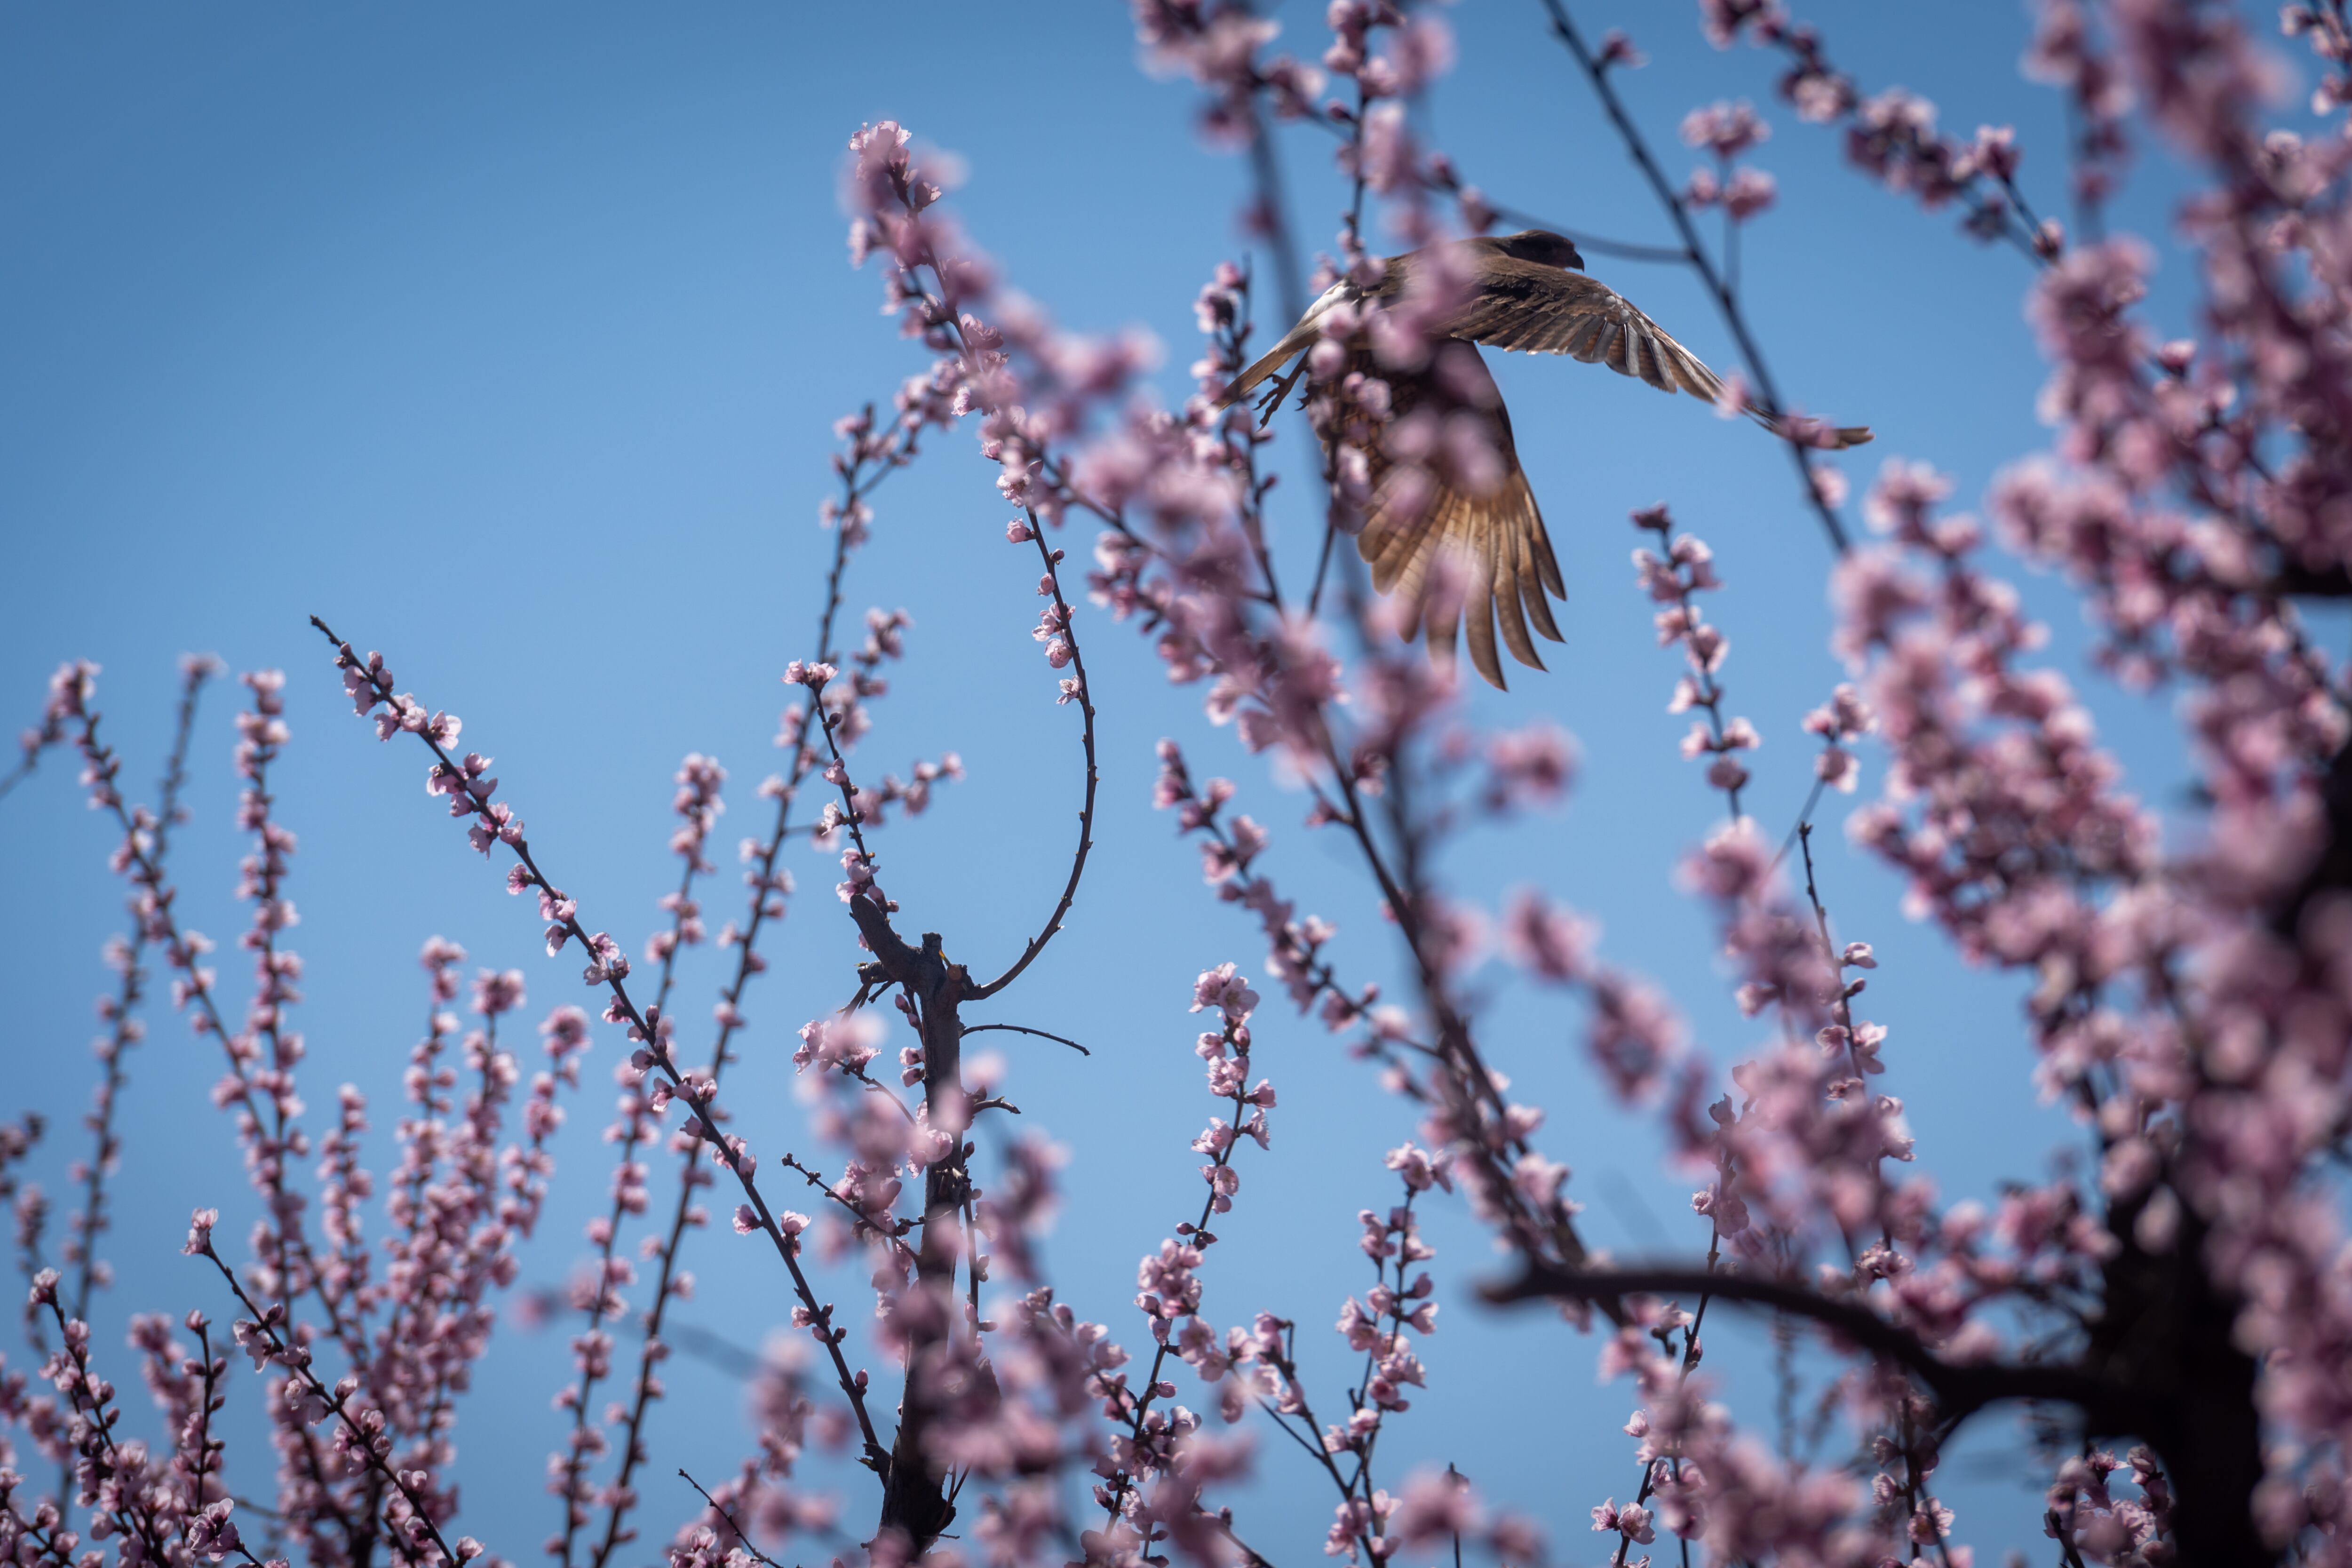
(1528, 308)
(1458, 557)
(1474, 555)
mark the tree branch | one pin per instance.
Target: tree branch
(1961, 1388)
(1086, 699)
(1727, 300)
(1025, 1030)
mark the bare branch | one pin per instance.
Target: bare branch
(1962, 1388)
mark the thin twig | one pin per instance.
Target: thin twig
(1025, 1030)
(720, 1509)
(1085, 698)
(362, 1444)
(1962, 1388)
(124, 1033)
(856, 484)
(1725, 297)
(699, 1124)
(1805, 821)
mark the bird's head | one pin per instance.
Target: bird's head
(1543, 247)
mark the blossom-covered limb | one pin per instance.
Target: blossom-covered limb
(371, 685)
(1682, 568)
(872, 450)
(1488, 1134)
(1892, 136)
(1842, 1001)
(110, 1476)
(190, 1390)
(1170, 1285)
(57, 714)
(720, 1509)
(40, 1538)
(1229, 854)
(1467, 1103)
(1224, 310)
(262, 1336)
(860, 1221)
(26, 1203)
(124, 1028)
(195, 989)
(698, 805)
(597, 1296)
(1718, 286)
(1275, 1346)
(263, 1056)
(460, 1203)
(1390, 1363)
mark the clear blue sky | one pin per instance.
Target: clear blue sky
(509, 340)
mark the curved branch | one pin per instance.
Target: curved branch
(1025, 1030)
(720, 1509)
(1086, 697)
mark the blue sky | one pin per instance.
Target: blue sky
(509, 341)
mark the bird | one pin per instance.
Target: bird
(1523, 292)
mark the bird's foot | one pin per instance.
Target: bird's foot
(1272, 400)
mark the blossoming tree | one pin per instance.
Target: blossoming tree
(2177, 1310)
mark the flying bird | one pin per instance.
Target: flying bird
(1521, 292)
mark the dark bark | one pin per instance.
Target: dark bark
(2159, 1364)
(913, 1500)
(2328, 582)
(2165, 1334)
(2331, 872)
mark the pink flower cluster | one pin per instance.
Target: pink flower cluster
(1674, 575)
(1892, 136)
(1728, 130)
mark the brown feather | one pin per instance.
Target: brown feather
(1531, 307)
(1493, 538)
(1506, 597)
(1532, 598)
